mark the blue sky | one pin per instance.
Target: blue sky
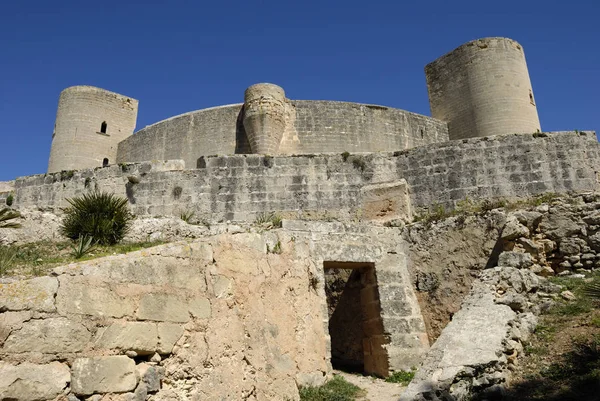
(177, 56)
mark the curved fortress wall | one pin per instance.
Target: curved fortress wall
(311, 127)
(90, 123)
(241, 186)
(482, 88)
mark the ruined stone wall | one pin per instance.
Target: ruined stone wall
(240, 187)
(482, 88)
(311, 127)
(198, 319)
(78, 141)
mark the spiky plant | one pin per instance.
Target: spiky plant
(82, 247)
(99, 215)
(592, 290)
(7, 214)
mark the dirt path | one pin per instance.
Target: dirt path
(377, 389)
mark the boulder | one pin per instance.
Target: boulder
(518, 260)
(513, 229)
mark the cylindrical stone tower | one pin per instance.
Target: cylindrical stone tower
(264, 117)
(482, 88)
(90, 123)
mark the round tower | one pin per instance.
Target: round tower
(90, 122)
(483, 88)
(264, 117)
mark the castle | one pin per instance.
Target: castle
(241, 312)
(480, 89)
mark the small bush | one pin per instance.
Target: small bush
(103, 216)
(401, 376)
(345, 156)
(9, 200)
(264, 218)
(187, 216)
(336, 389)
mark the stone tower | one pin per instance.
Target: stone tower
(90, 122)
(264, 117)
(483, 88)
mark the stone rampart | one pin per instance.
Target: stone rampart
(6, 188)
(242, 186)
(312, 127)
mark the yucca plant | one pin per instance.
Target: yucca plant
(82, 247)
(7, 214)
(592, 290)
(99, 215)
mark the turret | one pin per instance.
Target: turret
(264, 117)
(90, 122)
(483, 88)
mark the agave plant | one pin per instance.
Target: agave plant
(82, 247)
(592, 290)
(99, 215)
(6, 215)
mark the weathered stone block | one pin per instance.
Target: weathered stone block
(200, 308)
(29, 382)
(168, 335)
(35, 294)
(86, 297)
(141, 337)
(163, 308)
(108, 374)
(49, 336)
(10, 321)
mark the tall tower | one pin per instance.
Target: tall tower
(90, 123)
(482, 88)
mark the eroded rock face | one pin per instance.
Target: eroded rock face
(476, 348)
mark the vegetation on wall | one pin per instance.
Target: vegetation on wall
(6, 215)
(105, 217)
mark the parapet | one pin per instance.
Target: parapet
(483, 88)
(90, 123)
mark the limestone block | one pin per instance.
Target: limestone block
(168, 335)
(513, 229)
(163, 308)
(141, 337)
(80, 295)
(30, 382)
(10, 321)
(35, 294)
(387, 201)
(49, 336)
(108, 374)
(200, 308)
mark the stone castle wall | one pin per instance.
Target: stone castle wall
(483, 88)
(312, 127)
(240, 187)
(78, 141)
(197, 319)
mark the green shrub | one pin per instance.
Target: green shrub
(102, 216)
(401, 376)
(187, 216)
(7, 214)
(264, 218)
(9, 200)
(336, 389)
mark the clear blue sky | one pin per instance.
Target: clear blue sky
(178, 56)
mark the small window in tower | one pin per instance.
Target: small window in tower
(105, 162)
(531, 97)
(103, 127)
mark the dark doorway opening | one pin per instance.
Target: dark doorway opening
(103, 127)
(355, 324)
(105, 162)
